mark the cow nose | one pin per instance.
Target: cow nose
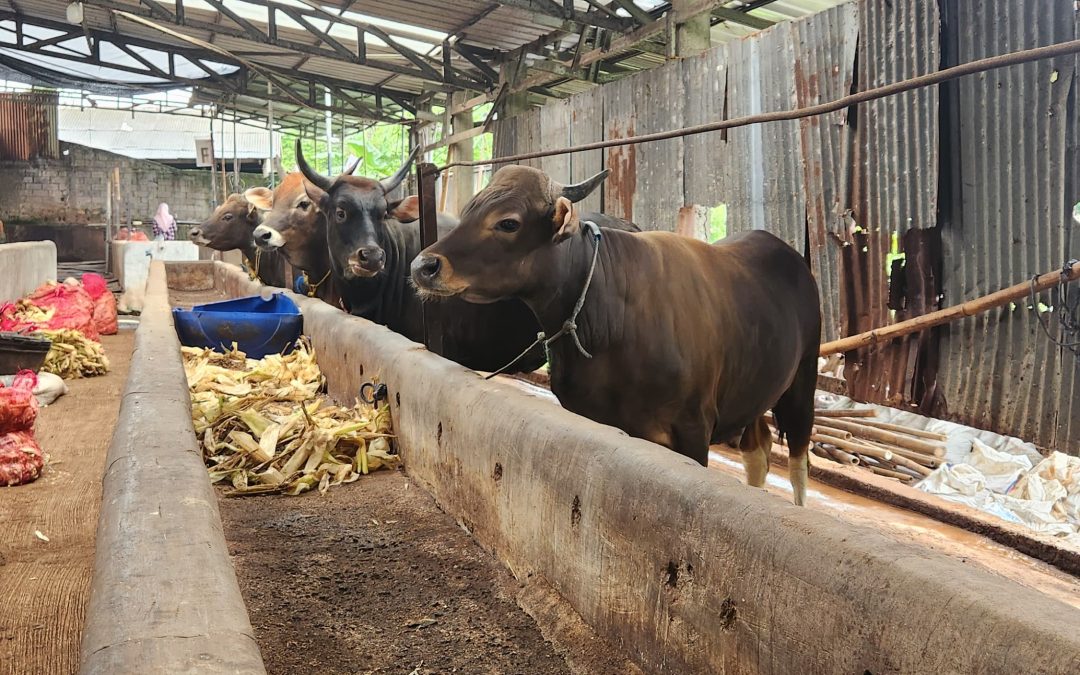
(371, 254)
(194, 233)
(263, 234)
(428, 266)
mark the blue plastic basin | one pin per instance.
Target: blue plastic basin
(257, 326)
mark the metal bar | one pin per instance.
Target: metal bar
(426, 174)
(978, 66)
(556, 10)
(741, 17)
(640, 15)
(265, 38)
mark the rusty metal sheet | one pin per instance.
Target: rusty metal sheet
(824, 70)
(735, 179)
(705, 156)
(28, 126)
(646, 180)
(587, 126)
(1012, 184)
(897, 183)
(555, 133)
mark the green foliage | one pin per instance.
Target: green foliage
(717, 222)
(383, 147)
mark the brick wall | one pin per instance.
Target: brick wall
(73, 189)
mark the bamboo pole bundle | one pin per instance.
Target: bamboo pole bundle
(891, 450)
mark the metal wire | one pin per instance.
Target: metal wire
(1067, 310)
(979, 66)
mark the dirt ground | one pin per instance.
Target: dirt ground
(373, 578)
(44, 586)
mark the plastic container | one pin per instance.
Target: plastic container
(22, 352)
(258, 326)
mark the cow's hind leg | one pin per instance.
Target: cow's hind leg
(755, 444)
(794, 420)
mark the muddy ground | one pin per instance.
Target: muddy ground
(373, 578)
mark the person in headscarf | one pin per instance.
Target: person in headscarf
(164, 224)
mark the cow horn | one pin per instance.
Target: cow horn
(388, 184)
(353, 166)
(578, 191)
(315, 177)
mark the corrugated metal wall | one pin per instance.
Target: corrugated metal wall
(974, 181)
(28, 126)
(1012, 188)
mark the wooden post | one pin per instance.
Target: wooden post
(969, 308)
(692, 27)
(426, 174)
(462, 178)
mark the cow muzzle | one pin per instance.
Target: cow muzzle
(268, 238)
(433, 275)
(196, 235)
(367, 261)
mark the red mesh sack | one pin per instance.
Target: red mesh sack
(21, 459)
(104, 303)
(18, 406)
(73, 305)
(94, 284)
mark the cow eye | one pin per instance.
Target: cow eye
(304, 205)
(340, 213)
(228, 216)
(507, 225)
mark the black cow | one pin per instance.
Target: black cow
(372, 254)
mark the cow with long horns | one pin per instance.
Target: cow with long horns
(373, 238)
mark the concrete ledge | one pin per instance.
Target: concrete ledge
(164, 597)
(24, 266)
(688, 570)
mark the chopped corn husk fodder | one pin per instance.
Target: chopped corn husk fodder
(73, 355)
(265, 428)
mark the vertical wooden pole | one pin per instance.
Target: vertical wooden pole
(426, 174)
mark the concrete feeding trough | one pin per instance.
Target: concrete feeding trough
(684, 569)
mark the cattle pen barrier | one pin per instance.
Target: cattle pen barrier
(675, 571)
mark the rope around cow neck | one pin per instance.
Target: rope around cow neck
(311, 290)
(570, 325)
(253, 270)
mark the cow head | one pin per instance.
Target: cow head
(293, 224)
(356, 209)
(231, 225)
(501, 248)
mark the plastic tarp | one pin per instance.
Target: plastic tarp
(999, 475)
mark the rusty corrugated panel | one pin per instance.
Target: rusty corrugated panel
(555, 133)
(896, 189)
(783, 191)
(587, 126)
(737, 186)
(28, 126)
(646, 180)
(1012, 184)
(705, 80)
(824, 70)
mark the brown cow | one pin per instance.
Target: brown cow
(294, 226)
(231, 227)
(677, 341)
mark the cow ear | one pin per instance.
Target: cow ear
(260, 197)
(565, 221)
(316, 194)
(405, 211)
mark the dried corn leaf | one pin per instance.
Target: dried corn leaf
(266, 428)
